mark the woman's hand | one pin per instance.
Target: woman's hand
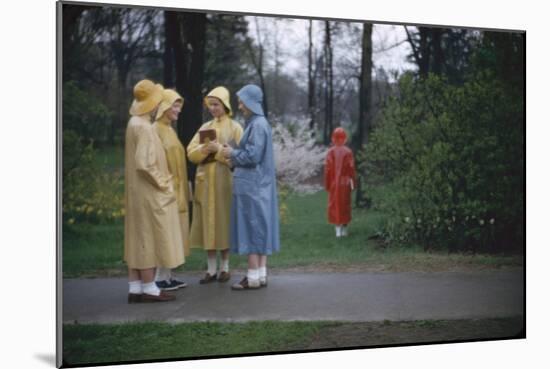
(210, 148)
(226, 151)
(213, 147)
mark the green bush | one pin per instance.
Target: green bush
(446, 163)
(90, 194)
(85, 114)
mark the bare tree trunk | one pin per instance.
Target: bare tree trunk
(275, 87)
(329, 88)
(365, 98)
(170, 31)
(260, 67)
(70, 18)
(330, 83)
(122, 67)
(439, 56)
(258, 63)
(311, 81)
(421, 52)
(325, 98)
(189, 31)
(365, 89)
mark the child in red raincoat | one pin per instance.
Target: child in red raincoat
(339, 182)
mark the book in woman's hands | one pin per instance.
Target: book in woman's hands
(207, 135)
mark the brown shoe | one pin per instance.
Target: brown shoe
(224, 277)
(208, 278)
(134, 298)
(164, 296)
(245, 285)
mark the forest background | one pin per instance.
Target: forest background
(435, 115)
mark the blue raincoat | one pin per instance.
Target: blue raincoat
(254, 209)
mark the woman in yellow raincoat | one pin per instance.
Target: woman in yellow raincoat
(152, 235)
(168, 112)
(213, 184)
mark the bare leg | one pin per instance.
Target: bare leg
(143, 275)
(133, 275)
(147, 275)
(225, 254)
(253, 261)
(263, 261)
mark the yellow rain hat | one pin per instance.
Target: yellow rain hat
(169, 97)
(222, 94)
(147, 96)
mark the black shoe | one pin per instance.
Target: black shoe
(177, 283)
(166, 286)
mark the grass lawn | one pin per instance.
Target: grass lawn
(94, 343)
(307, 242)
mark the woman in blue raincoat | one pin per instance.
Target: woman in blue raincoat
(254, 209)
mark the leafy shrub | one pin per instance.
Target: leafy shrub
(447, 162)
(84, 114)
(89, 193)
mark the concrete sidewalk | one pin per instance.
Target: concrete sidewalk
(312, 296)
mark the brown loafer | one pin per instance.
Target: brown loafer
(134, 298)
(224, 277)
(208, 278)
(245, 285)
(163, 297)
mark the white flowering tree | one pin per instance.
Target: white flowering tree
(297, 157)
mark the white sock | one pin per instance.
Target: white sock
(344, 231)
(151, 289)
(338, 231)
(253, 275)
(135, 287)
(212, 265)
(263, 272)
(225, 265)
(163, 274)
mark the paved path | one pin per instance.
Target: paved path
(311, 296)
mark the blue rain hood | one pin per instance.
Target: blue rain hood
(252, 97)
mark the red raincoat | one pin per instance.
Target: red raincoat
(339, 179)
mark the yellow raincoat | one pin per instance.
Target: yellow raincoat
(213, 183)
(152, 235)
(177, 162)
